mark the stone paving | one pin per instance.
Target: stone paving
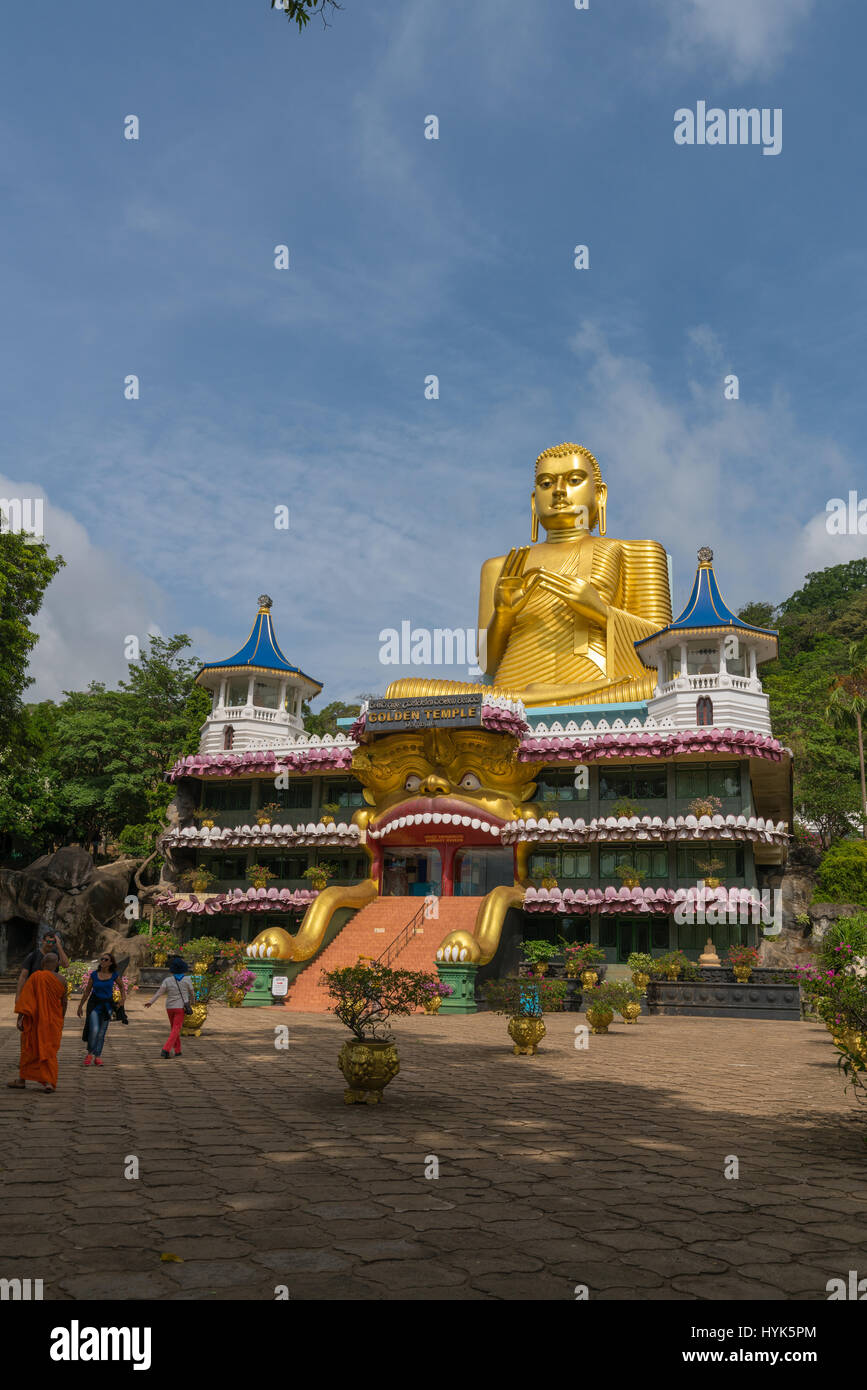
(602, 1167)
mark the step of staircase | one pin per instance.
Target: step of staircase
(370, 932)
(8, 981)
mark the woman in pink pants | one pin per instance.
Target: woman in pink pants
(178, 989)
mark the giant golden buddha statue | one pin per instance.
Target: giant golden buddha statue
(560, 616)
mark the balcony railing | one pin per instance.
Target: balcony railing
(711, 681)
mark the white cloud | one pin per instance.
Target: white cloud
(748, 37)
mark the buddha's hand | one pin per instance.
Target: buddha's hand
(514, 587)
(577, 594)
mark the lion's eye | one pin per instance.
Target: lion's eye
(412, 783)
(470, 782)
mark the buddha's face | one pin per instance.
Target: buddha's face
(565, 494)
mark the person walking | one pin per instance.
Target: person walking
(41, 1009)
(99, 996)
(178, 989)
(49, 943)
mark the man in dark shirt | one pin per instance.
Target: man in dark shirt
(49, 944)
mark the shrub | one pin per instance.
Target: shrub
(367, 996)
(842, 876)
(516, 997)
(847, 931)
(536, 951)
(640, 963)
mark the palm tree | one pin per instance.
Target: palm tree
(847, 702)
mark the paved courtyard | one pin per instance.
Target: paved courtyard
(602, 1167)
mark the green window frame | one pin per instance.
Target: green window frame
(230, 796)
(690, 856)
(566, 863)
(298, 796)
(708, 779)
(346, 795)
(651, 860)
(636, 783)
(557, 786)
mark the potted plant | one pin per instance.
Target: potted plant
(366, 996)
(206, 817)
(329, 808)
(552, 996)
(319, 874)
(199, 878)
(436, 991)
(538, 954)
(265, 814)
(545, 874)
(74, 974)
(259, 875)
(743, 961)
(624, 806)
(629, 877)
(581, 959)
(203, 987)
(164, 943)
(710, 868)
(602, 1002)
(520, 1000)
(705, 806)
(641, 966)
(202, 949)
(628, 1003)
(237, 983)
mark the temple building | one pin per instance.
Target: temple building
(456, 820)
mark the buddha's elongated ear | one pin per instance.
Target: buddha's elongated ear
(601, 501)
(534, 520)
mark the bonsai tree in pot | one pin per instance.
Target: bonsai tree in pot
(436, 991)
(629, 877)
(199, 879)
(206, 816)
(366, 997)
(710, 868)
(328, 810)
(319, 874)
(538, 954)
(641, 966)
(164, 943)
(202, 950)
(521, 1001)
(265, 814)
(674, 964)
(705, 806)
(581, 959)
(259, 875)
(624, 806)
(545, 875)
(601, 1003)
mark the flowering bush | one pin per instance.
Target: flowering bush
(242, 979)
(743, 955)
(838, 994)
(705, 806)
(663, 965)
(515, 996)
(75, 973)
(164, 941)
(584, 955)
(434, 987)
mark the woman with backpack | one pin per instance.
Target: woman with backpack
(103, 992)
(180, 997)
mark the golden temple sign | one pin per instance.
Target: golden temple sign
(419, 712)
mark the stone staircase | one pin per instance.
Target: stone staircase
(370, 932)
(9, 979)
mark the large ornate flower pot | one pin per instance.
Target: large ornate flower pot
(630, 1012)
(742, 973)
(599, 1016)
(160, 960)
(201, 967)
(235, 998)
(673, 972)
(526, 1033)
(589, 978)
(194, 1023)
(434, 1005)
(540, 969)
(640, 980)
(368, 1068)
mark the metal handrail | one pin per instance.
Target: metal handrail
(396, 946)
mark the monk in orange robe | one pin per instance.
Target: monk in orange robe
(41, 1007)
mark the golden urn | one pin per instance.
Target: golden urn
(589, 978)
(630, 1012)
(160, 958)
(201, 967)
(742, 973)
(640, 980)
(673, 972)
(526, 1033)
(194, 1023)
(368, 1066)
(433, 1006)
(599, 1016)
(235, 998)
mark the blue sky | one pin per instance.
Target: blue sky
(411, 257)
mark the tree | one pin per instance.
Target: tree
(758, 614)
(847, 704)
(828, 802)
(300, 11)
(26, 570)
(325, 722)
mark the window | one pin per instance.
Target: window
(231, 796)
(708, 779)
(564, 863)
(228, 738)
(286, 866)
(346, 795)
(225, 866)
(640, 784)
(296, 797)
(559, 786)
(691, 857)
(265, 694)
(608, 933)
(236, 692)
(704, 711)
(652, 862)
(702, 660)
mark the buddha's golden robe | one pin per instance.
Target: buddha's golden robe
(556, 656)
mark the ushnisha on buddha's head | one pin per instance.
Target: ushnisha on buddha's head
(569, 495)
